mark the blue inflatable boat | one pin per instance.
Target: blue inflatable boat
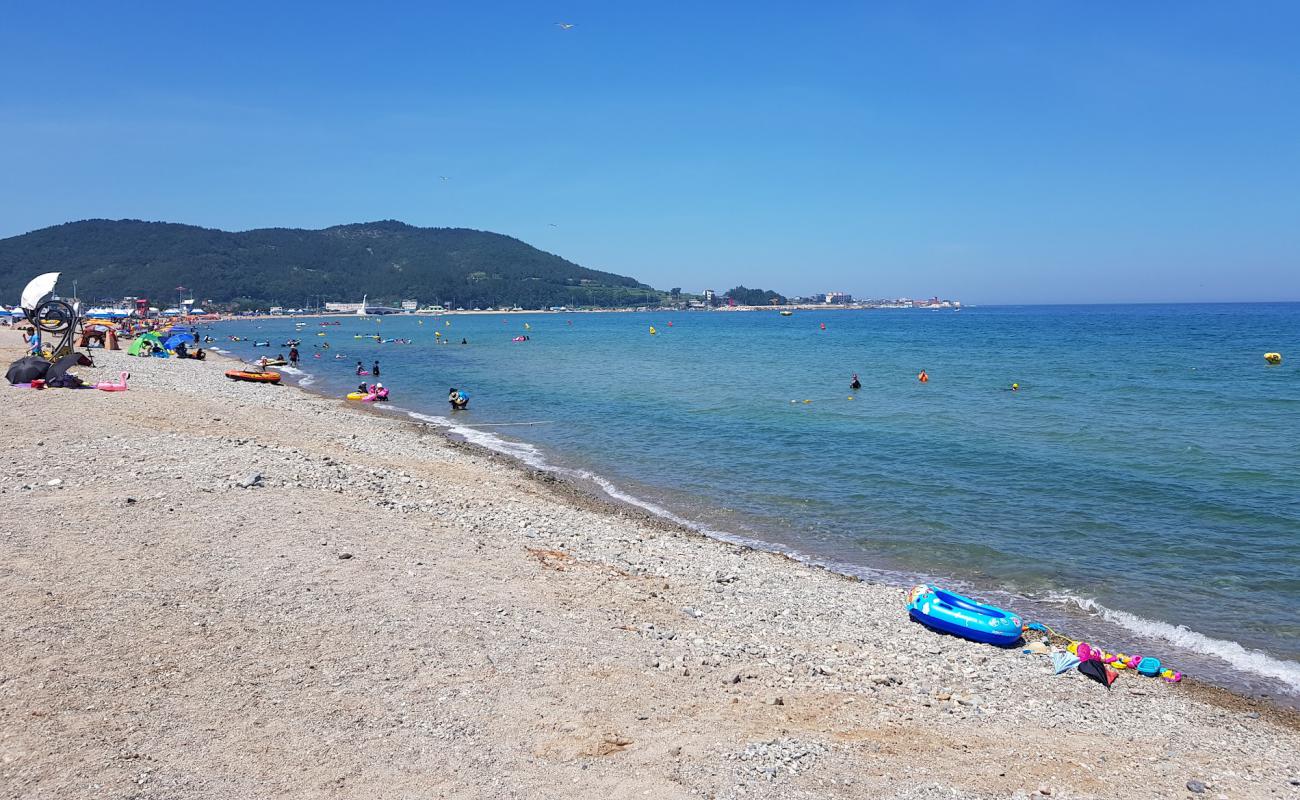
(961, 616)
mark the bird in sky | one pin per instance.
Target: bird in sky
(564, 26)
(552, 224)
(444, 177)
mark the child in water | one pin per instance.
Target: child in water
(375, 369)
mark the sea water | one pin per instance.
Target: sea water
(1141, 488)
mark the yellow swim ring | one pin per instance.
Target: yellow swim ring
(1273, 358)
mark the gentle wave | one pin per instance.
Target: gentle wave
(1287, 672)
(533, 457)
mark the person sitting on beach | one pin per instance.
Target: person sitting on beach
(855, 383)
(182, 351)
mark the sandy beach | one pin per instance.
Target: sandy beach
(225, 590)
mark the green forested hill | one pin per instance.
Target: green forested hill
(386, 260)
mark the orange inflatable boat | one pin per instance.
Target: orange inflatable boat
(255, 377)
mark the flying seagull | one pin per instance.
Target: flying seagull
(552, 224)
(564, 26)
(444, 177)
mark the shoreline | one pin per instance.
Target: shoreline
(593, 644)
(1081, 616)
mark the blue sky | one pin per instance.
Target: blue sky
(1033, 151)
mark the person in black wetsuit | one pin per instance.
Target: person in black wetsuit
(855, 384)
(375, 369)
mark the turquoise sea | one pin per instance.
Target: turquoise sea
(1142, 489)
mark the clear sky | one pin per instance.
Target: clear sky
(1036, 151)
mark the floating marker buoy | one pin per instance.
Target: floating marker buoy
(652, 330)
(807, 401)
(670, 323)
(527, 326)
(850, 397)
(1273, 358)
(823, 326)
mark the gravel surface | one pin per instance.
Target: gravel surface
(225, 590)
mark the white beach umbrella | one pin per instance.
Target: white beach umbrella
(37, 288)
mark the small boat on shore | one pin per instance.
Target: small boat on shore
(253, 377)
(953, 613)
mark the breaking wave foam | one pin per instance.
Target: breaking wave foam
(1285, 672)
(1253, 661)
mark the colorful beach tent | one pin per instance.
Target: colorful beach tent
(137, 346)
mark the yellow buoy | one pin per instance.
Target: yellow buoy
(652, 330)
(1273, 358)
(807, 401)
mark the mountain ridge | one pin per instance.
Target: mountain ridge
(388, 260)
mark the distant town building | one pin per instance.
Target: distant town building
(350, 308)
(708, 296)
(409, 305)
(839, 298)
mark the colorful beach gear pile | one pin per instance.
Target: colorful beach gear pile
(948, 612)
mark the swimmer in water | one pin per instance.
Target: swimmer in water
(855, 384)
(1015, 387)
(923, 378)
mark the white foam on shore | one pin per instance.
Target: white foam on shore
(1253, 661)
(533, 457)
(304, 378)
(1286, 673)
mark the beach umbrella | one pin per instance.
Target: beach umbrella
(1063, 661)
(1099, 672)
(27, 369)
(66, 363)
